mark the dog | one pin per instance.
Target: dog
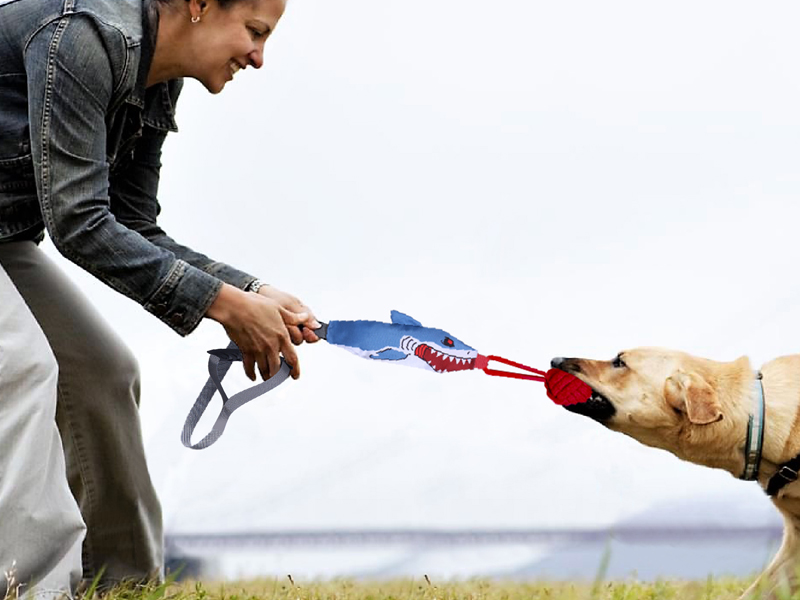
(708, 413)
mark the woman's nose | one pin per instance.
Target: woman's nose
(256, 58)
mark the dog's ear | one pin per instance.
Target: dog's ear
(692, 395)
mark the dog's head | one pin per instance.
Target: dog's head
(662, 398)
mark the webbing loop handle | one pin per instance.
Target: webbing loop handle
(217, 368)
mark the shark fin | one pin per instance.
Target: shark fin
(389, 354)
(399, 318)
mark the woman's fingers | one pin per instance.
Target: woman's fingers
(249, 361)
(295, 334)
(273, 359)
(309, 335)
(266, 365)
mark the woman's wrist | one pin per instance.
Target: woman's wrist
(220, 309)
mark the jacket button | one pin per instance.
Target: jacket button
(177, 319)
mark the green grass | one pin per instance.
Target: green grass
(425, 589)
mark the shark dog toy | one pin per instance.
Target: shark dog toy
(403, 341)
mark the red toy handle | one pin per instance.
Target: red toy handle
(562, 388)
(482, 362)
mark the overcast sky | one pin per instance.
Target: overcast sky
(538, 179)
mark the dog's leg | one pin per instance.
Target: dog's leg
(783, 573)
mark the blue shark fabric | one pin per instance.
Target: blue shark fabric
(403, 341)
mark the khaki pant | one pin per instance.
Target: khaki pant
(70, 440)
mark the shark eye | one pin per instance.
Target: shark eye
(448, 342)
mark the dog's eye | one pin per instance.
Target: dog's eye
(618, 363)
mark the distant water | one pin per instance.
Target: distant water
(667, 557)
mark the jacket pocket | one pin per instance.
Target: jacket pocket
(19, 204)
(16, 174)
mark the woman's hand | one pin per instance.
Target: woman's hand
(260, 327)
(292, 304)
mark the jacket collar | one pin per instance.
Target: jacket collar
(156, 102)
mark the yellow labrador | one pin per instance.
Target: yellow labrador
(708, 413)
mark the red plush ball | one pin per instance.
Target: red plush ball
(566, 389)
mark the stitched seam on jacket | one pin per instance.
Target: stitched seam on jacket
(46, 120)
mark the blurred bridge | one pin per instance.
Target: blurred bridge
(444, 537)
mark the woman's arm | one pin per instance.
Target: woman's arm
(134, 203)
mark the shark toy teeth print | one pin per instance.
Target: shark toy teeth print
(403, 341)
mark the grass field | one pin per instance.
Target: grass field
(469, 590)
(420, 589)
(425, 589)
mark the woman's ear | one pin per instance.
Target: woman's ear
(197, 9)
(692, 395)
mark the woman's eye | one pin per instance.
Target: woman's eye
(255, 33)
(618, 363)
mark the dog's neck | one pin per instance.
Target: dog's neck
(721, 445)
(737, 391)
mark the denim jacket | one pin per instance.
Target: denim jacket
(80, 151)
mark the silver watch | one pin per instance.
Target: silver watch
(255, 285)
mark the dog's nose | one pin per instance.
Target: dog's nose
(570, 365)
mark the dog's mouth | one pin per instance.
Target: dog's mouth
(597, 407)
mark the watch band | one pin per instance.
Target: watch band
(255, 285)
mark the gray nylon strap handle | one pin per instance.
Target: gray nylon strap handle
(217, 368)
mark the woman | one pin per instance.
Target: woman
(87, 94)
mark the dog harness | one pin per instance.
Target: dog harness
(786, 474)
(403, 341)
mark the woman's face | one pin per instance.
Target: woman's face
(232, 38)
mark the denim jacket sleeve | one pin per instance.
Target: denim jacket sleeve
(134, 203)
(72, 83)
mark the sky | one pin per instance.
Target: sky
(539, 179)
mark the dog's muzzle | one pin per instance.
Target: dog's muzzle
(597, 407)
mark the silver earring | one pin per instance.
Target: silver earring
(195, 19)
